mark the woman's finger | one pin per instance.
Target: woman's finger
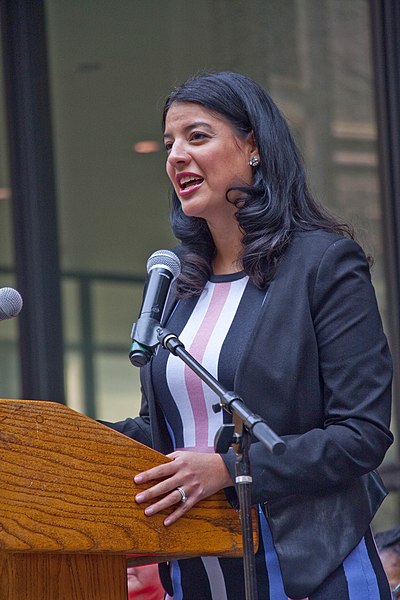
(159, 472)
(159, 489)
(171, 499)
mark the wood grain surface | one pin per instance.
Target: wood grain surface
(62, 577)
(66, 485)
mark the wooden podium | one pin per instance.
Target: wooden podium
(67, 512)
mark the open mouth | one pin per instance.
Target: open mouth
(188, 182)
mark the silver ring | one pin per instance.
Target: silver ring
(183, 495)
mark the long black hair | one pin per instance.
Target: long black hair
(273, 207)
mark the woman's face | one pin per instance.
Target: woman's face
(206, 157)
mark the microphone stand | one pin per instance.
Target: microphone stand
(250, 425)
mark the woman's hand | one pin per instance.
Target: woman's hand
(199, 474)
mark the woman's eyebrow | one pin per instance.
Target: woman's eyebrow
(187, 128)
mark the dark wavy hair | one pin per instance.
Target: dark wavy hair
(276, 204)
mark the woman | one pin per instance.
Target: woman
(275, 299)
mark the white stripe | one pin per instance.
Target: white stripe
(213, 349)
(215, 577)
(175, 372)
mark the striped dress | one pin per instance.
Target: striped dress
(215, 328)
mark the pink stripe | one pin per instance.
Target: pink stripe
(197, 349)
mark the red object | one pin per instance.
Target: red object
(144, 583)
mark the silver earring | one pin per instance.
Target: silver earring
(254, 161)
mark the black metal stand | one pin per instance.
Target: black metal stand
(243, 481)
(251, 425)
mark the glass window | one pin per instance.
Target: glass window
(9, 366)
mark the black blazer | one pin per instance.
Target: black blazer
(318, 370)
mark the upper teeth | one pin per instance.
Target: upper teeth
(185, 180)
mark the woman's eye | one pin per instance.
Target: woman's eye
(168, 146)
(198, 135)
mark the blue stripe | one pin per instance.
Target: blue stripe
(171, 433)
(360, 575)
(266, 297)
(176, 580)
(170, 315)
(276, 590)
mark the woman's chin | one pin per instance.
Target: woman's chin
(192, 209)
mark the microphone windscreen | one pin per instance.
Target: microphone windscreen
(164, 259)
(10, 303)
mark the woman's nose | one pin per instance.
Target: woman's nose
(178, 155)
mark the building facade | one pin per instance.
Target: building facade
(83, 190)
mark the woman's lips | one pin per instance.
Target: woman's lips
(188, 183)
(189, 190)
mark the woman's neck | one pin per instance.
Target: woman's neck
(228, 250)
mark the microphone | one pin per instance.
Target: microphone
(10, 303)
(162, 267)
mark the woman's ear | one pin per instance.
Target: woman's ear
(254, 155)
(252, 142)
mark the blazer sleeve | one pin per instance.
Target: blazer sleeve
(355, 378)
(137, 428)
